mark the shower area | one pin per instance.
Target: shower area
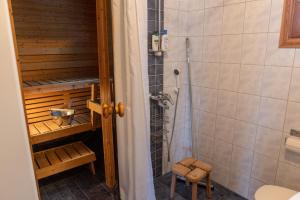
(240, 98)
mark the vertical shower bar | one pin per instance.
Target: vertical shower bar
(189, 73)
(190, 86)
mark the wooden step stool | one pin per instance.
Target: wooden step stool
(193, 171)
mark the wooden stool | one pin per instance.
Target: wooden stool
(193, 171)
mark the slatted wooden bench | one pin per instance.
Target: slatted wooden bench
(54, 85)
(193, 171)
(59, 159)
(43, 128)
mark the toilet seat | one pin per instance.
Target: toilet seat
(272, 192)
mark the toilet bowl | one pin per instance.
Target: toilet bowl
(272, 192)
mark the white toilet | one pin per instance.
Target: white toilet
(272, 192)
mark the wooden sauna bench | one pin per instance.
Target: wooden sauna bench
(42, 127)
(44, 86)
(59, 159)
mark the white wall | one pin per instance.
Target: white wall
(246, 91)
(176, 16)
(16, 171)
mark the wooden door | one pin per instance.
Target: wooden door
(105, 94)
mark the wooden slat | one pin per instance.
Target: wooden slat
(63, 156)
(52, 125)
(52, 157)
(41, 127)
(81, 148)
(33, 130)
(71, 151)
(80, 119)
(41, 160)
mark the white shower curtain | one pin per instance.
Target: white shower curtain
(131, 81)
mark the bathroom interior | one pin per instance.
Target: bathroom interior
(105, 99)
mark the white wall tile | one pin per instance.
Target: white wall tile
(183, 23)
(297, 58)
(208, 99)
(196, 70)
(227, 102)
(228, 2)
(196, 4)
(244, 134)
(196, 48)
(224, 129)
(241, 161)
(195, 26)
(276, 15)
(171, 4)
(272, 113)
(220, 174)
(278, 56)
(257, 16)
(212, 48)
(250, 79)
(233, 19)
(268, 142)
(294, 94)
(209, 75)
(213, 21)
(229, 77)
(176, 50)
(239, 183)
(205, 146)
(254, 48)
(248, 107)
(207, 123)
(213, 3)
(292, 117)
(171, 21)
(264, 168)
(196, 97)
(276, 82)
(184, 5)
(231, 51)
(222, 153)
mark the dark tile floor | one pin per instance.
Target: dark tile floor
(183, 192)
(79, 184)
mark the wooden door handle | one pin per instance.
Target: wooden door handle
(120, 109)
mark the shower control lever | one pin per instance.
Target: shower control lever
(163, 99)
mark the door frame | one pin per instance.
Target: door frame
(102, 7)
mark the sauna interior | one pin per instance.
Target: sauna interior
(56, 46)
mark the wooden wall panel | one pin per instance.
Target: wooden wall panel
(56, 39)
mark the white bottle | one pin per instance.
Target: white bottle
(164, 41)
(155, 42)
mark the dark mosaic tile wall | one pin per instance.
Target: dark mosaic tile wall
(155, 69)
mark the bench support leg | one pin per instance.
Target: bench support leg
(208, 186)
(194, 191)
(173, 186)
(92, 168)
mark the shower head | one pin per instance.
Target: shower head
(176, 72)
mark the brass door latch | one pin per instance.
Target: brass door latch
(120, 109)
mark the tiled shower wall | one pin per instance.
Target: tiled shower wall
(176, 22)
(155, 71)
(246, 91)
